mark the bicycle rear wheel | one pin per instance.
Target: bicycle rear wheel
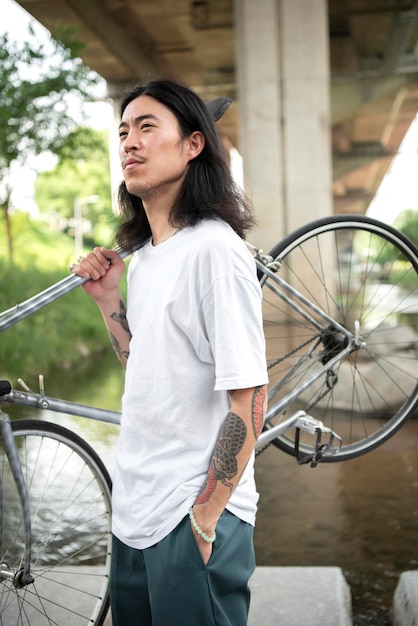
(362, 273)
(70, 502)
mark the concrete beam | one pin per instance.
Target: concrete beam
(348, 98)
(116, 39)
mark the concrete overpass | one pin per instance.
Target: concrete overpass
(323, 91)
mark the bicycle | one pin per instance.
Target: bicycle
(341, 323)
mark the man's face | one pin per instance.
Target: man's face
(153, 154)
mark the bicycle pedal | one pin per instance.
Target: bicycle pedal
(311, 425)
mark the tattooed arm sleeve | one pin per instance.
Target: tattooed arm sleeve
(234, 446)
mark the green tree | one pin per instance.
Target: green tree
(82, 173)
(36, 79)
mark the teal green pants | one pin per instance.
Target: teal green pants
(168, 584)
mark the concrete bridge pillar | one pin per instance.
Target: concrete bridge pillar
(115, 93)
(283, 93)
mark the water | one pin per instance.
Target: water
(360, 515)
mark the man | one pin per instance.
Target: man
(191, 339)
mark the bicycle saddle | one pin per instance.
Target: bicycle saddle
(217, 107)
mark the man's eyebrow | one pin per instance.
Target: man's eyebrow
(139, 119)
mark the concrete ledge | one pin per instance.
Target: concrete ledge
(296, 596)
(405, 600)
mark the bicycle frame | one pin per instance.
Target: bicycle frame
(283, 289)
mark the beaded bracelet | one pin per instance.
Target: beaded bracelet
(199, 530)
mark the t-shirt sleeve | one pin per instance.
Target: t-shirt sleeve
(233, 319)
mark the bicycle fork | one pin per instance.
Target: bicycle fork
(22, 577)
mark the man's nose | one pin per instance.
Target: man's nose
(132, 141)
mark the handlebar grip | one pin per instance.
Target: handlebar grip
(5, 387)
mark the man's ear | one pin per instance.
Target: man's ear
(196, 143)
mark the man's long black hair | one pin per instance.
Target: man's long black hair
(208, 190)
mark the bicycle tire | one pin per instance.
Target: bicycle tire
(355, 268)
(69, 492)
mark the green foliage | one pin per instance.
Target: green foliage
(84, 144)
(407, 223)
(35, 79)
(83, 170)
(37, 246)
(384, 259)
(39, 83)
(62, 333)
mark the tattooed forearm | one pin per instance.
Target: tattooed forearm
(121, 317)
(258, 409)
(121, 354)
(224, 466)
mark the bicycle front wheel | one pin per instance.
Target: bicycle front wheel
(69, 493)
(363, 274)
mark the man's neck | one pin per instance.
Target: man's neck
(158, 215)
(163, 234)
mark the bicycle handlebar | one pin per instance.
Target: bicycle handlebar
(5, 387)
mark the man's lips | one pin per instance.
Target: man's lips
(130, 161)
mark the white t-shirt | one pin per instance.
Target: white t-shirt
(194, 312)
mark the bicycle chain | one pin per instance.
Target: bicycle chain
(331, 375)
(330, 384)
(332, 378)
(285, 356)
